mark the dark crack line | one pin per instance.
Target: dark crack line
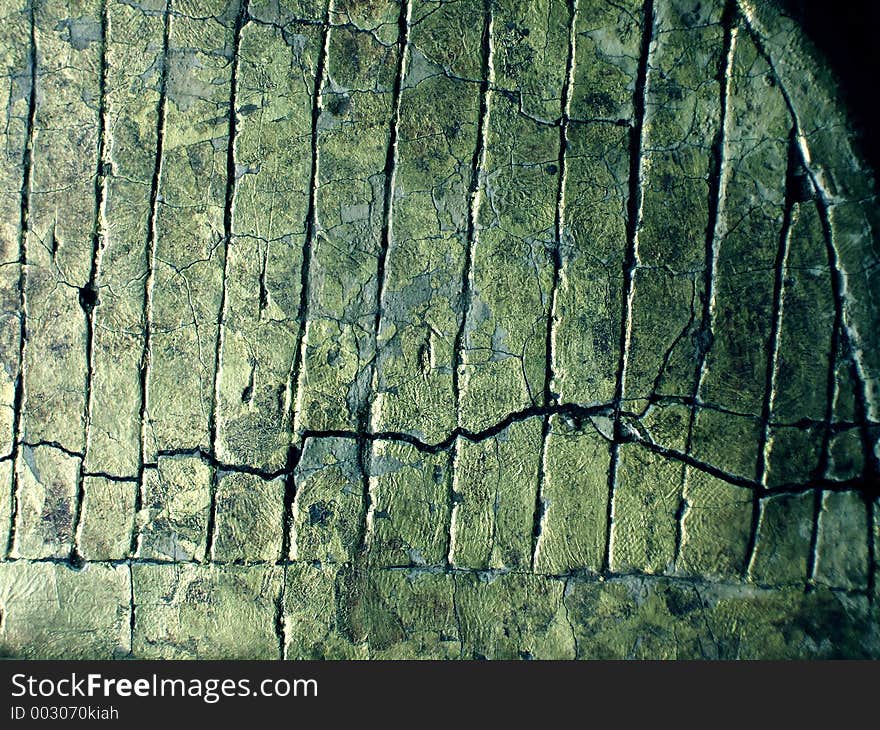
(218, 465)
(813, 550)
(149, 282)
(872, 549)
(540, 508)
(715, 202)
(281, 616)
(45, 443)
(631, 258)
(228, 234)
(576, 414)
(802, 424)
(132, 608)
(294, 385)
(110, 477)
(90, 293)
(20, 395)
(830, 394)
(862, 484)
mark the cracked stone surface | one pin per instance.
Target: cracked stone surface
(433, 329)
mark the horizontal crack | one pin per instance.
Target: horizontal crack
(578, 414)
(575, 411)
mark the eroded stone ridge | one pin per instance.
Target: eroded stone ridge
(428, 328)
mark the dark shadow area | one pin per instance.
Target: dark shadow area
(845, 32)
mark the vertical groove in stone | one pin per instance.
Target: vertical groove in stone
(825, 449)
(813, 551)
(280, 617)
(90, 293)
(478, 169)
(294, 384)
(559, 232)
(365, 417)
(27, 166)
(132, 609)
(149, 282)
(228, 233)
(872, 474)
(824, 205)
(631, 258)
(838, 287)
(717, 192)
(765, 441)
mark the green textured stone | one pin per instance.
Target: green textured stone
(633, 618)
(205, 612)
(134, 58)
(14, 98)
(422, 616)
(352, 137)
(314, 621)
(715, 527)
(173, 522)
(781, 554)
(329, 502)
(420, 317)
(495, 483)
(410, 506)
(107, 518)
(46, 496)
(90, 621)
(189, 223)
(64, 153)
(404, 329)
(842, 561)
(271, 199)
(575, 499)
(648, 498)
(5, 497)
(513, 617)
(249, 519)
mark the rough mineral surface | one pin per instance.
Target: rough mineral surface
(433, 329)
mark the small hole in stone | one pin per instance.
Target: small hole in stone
(88, 297)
